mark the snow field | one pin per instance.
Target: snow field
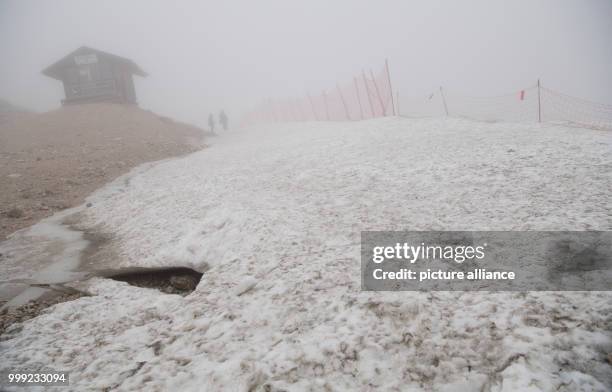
(274, 214)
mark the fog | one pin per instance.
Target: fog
(202, 56)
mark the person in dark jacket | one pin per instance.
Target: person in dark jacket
(211, 122)
(223, 120)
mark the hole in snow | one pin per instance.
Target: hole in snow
(172, 280)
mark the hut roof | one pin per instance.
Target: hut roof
(54, 70)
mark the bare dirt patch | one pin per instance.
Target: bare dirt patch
(52, 161)
(10, 316)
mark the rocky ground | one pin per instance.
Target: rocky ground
(52, 161)
(32, 309)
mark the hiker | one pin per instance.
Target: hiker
(223, 119)
(211, 122)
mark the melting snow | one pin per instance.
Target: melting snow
(275, 213)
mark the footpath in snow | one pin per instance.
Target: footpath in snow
(273, 215)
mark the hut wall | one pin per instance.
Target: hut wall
(97, 81)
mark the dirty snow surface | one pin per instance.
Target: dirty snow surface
(274, 214)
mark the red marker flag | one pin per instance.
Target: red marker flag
(522, 95)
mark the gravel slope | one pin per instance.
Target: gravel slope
(52, 161)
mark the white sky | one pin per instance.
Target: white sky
(206, 55)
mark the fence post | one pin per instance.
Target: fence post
(313, 108)
(539, 103)
(358, 98)
(368, 93)
(325, 102)
(382, 105)
(444, 101)
(348, 116)
(390, 88)
(397, 103)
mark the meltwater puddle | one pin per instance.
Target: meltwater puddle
(36, 259)
(37, 262)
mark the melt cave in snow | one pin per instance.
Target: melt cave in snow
(172, 280)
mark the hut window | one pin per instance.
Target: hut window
(85, 73)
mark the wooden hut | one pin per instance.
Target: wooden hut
(90, 75)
